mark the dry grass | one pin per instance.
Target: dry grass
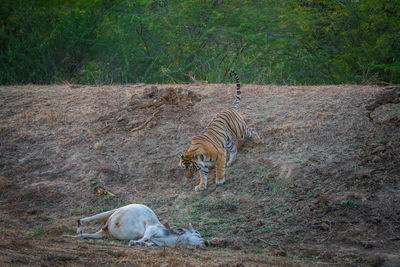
(323, 190)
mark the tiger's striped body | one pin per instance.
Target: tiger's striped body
(209, 148)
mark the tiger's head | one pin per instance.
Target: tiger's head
(190, 164)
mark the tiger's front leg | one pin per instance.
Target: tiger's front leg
(220, 165)
(203, 179)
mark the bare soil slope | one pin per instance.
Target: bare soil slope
(323, 189)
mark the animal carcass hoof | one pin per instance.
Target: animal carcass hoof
(79, 231)
(135, 242)
(198, 188)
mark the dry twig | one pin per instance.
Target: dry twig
(145, 123)
(102, 191)
(119, 166)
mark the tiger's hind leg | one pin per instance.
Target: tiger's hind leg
(232, 153)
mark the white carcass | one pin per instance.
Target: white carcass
(139, 224)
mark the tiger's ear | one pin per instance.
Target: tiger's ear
(195, 155)
(181, 156)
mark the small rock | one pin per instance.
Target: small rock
(368, 244)
(98, 145)
(258, 223)
(325, 226)
(32, 211)
(281, 253)
(375, 259)
(377, 159)
(378, 149)
(363, 173)
(374, 220)
(384, 155)
(251, 218)
(384, 142)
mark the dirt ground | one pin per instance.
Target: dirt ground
(323, 190)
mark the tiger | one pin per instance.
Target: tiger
(209, 149)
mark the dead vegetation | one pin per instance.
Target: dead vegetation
(387, 100)
(322, 190)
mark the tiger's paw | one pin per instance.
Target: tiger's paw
(260, 142)
(220, 182)
(200, 188)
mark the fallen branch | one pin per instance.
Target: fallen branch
(156, 104)
(102, 191)
(145, 123)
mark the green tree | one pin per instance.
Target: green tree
(164, 41)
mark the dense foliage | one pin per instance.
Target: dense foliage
(164, 41)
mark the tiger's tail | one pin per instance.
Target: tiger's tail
(237, 99)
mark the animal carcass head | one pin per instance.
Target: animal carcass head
(189, 237)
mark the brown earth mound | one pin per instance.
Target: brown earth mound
(322, 190)
(141, 110)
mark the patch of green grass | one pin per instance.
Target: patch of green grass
(261, 171)
(290, 219)
(121, 203)
(36, 231)
(295, 234)
(239, 219)
(214, 215)
(107, 208)
(317, 188)
(194, 199)
(301, 257)
(215, 206)
(155, 201)
(179, 221)
(76, 212)
(296, 160)
(324, 208)
(257, 251)
(112, 204)
(103, 199)
(269, 227)
(351, 203)
(194, 212)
